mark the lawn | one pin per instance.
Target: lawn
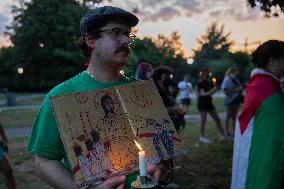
(18, 118)
(23, 165)
(33, 101)
(203, 167)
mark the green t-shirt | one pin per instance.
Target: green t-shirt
(45, 139)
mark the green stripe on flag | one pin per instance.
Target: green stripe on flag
(266, 158)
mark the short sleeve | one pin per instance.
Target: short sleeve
(181, 85)
(189, 85)
(227, 84)
(45, 139)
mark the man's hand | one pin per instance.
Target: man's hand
(154, 171)
(114, 182)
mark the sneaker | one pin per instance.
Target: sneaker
(204, 140)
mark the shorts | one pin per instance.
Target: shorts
(2, 153)
(185, 101)
(205, 104)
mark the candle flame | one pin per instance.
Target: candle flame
(214, 80)
(138, 145)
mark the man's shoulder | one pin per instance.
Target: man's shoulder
(67, 86)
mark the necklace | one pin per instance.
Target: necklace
(90, 74)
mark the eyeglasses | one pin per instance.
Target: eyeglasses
(117, 33)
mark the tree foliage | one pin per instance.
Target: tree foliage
(160, 50)
(43, 34)
(214, 53)
(212, 45)
(270, 7)
(8, 71)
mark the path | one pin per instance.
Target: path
(20, 98)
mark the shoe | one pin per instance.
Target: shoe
(204, 140)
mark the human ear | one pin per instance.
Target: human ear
(90, 41)
(272, 62)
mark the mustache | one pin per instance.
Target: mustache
(124, 48)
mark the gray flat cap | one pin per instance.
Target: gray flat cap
(94, 16)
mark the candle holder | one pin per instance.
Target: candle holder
(144, 182)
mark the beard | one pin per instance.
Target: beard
(114, 59)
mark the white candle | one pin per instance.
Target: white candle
(142, 164)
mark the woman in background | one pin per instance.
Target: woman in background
(205, 89)
(144, 71)
(232, 89)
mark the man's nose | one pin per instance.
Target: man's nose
(125, 39)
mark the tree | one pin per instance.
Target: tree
(239, 60)
(43, 34)
(160, 50)
(212, 45)
(243, 64)
(270, 7)
(8, 71)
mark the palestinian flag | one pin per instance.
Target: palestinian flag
(258, 160)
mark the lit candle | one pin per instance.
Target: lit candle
(214, 80)
(142, 161)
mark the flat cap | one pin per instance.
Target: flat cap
(97, 15)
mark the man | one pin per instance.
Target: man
(5, 166)
(259, 142)
(106, 35)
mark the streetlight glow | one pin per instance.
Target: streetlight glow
(20, 71)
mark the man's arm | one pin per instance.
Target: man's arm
(208, 93)
(54, 173)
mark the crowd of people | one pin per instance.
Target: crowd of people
(106, 35)
(171, 93)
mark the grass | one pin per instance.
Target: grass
(33, 101)
(18, 118)
(23, 166)
(203, 167)
(2, 96)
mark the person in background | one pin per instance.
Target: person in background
(5, 166)
(232, 88)
(185, 88)
(144, 71)
(162, 77)
(258, 159)
(205, 89)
